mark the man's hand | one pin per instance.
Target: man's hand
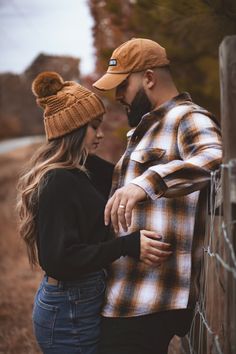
(152, 250)
(120, 206)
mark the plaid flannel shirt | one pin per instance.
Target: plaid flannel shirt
(170, 154)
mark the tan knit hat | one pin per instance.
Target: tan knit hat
(67, 105)
(135, 55)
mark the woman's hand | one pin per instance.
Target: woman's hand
(152, 250)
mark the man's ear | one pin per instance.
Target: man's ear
(149, 79)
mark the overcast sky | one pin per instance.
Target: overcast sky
(30, 27)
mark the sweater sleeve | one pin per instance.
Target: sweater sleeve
(101, 172)
(62, 252)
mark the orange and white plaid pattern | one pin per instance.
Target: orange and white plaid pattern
(170, 155)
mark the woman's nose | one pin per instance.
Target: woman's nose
(100, 134)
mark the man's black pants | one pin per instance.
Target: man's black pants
(149, 334)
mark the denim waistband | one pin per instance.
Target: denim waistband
(84, 278)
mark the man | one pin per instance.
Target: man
(159, 184)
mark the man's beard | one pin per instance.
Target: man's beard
(139, 106)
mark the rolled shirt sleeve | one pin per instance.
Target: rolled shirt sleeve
(200, 152)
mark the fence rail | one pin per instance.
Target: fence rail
(214, 326)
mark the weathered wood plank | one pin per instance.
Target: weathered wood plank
(228, 118)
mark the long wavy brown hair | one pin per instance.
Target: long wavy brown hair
(65, 152)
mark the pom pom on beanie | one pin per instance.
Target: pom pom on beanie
(47, 84)
(67, 105)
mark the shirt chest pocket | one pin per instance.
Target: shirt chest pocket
(148, 157)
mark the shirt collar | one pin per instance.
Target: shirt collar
(130, 132)
(164, 108)
(173, 102)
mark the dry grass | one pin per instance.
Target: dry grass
(17, 282)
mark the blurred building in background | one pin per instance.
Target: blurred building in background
(19, 114)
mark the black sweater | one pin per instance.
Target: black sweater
(72, 238)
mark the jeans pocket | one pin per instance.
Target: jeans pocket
(44, 317)
(87, 312)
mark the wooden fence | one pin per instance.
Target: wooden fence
(214, 326)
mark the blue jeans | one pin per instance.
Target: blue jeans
(66, 317)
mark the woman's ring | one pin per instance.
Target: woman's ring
(122, 206)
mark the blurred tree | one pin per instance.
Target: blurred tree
(191, 32)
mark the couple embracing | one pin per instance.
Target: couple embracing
(120, 249)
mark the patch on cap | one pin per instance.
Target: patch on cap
(112, 62)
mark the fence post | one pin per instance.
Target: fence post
(228, 120)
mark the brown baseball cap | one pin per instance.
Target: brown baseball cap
(135, 55)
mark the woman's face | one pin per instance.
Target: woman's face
(94, 134)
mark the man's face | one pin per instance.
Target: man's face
(131, 94)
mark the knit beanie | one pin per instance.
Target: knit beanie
(67, 105)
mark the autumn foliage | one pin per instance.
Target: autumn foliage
(191, 31)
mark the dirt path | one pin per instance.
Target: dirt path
(13, 144)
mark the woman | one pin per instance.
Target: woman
(61, 220)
